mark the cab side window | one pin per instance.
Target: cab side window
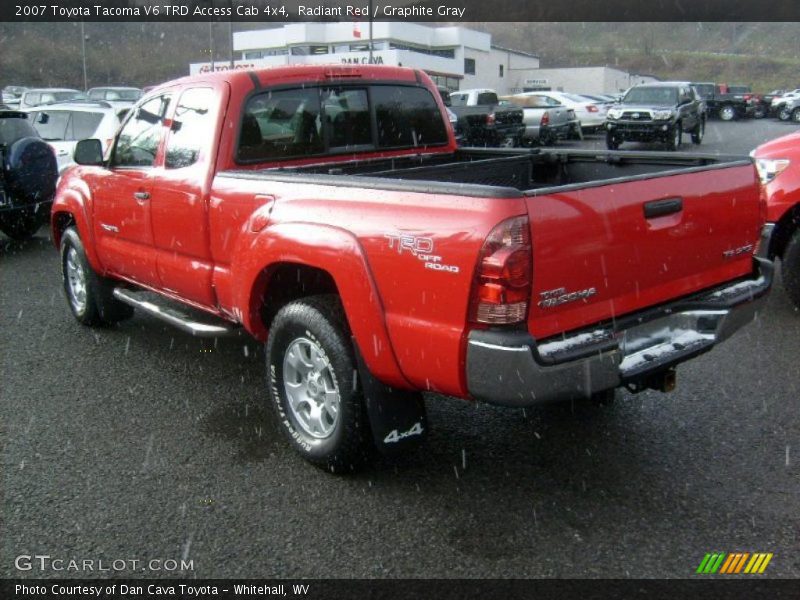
(189, 132)
(138, 141)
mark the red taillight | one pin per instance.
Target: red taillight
(747, 97)
(592, 108)
(502, 286)
(490, 119)
(545, 119)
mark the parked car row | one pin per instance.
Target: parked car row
(22, 97)
(482, 118)
(62, 116)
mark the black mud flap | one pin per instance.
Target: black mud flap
(397, 417)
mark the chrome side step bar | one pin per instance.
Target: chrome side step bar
(174, 317)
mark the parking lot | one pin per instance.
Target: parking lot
(140, 442)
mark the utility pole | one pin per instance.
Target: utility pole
(230, 37)
(211, 43)
(370, 31)
(230, 33)
(83, 56)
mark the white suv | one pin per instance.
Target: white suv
(64, 124)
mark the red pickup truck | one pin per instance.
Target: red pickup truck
(779, 165)
(329, 213)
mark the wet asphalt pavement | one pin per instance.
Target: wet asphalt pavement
(142, 443)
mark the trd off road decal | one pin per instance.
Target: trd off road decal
(421, 248)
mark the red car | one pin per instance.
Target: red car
(327, 211)
(779, 165)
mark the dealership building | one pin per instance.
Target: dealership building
(455, 57)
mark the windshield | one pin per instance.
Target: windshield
(665, 96)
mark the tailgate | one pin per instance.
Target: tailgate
(612, 249)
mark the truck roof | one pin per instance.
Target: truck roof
(303, 73)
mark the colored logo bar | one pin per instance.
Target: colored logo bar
(734, 563)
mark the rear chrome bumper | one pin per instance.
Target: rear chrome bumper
(513, 369)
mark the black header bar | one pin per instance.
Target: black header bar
(455, 11)
(704, 587)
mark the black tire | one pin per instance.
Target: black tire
(699, 132)
(727, 112)
(612, 141)
(796, 115)
(96, 305)
(21, 225)
(318, 323)
(784, 114)
(676, 133)
(604, 398)
(790, 268)
(760, 112)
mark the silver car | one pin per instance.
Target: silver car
(546, 120)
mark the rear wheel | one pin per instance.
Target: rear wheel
(89, 295)
(699, 132)
(790, 269)
(760, 112)
(784, 114)
(796, 115)
(727, 112)
(612, 141)
(311, 370)
(21, 225)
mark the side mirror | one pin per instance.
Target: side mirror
(89, 152)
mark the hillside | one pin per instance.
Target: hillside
(765, 55)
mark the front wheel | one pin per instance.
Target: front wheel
(790, 269)
(784, 114)
(796, 115)
(727, 113)
(312, 384)
(89, 295)
(676, 134)
(699, 132)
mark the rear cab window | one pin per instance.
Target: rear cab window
(326, 120)
(487, 99)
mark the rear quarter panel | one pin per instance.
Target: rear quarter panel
(424, 309)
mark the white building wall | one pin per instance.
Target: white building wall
(588, 80)
(516, 68)
(520, 70)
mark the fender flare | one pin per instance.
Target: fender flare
(73, 202)
(329, 249)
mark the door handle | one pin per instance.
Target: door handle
(141, 195)
(662, 208)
